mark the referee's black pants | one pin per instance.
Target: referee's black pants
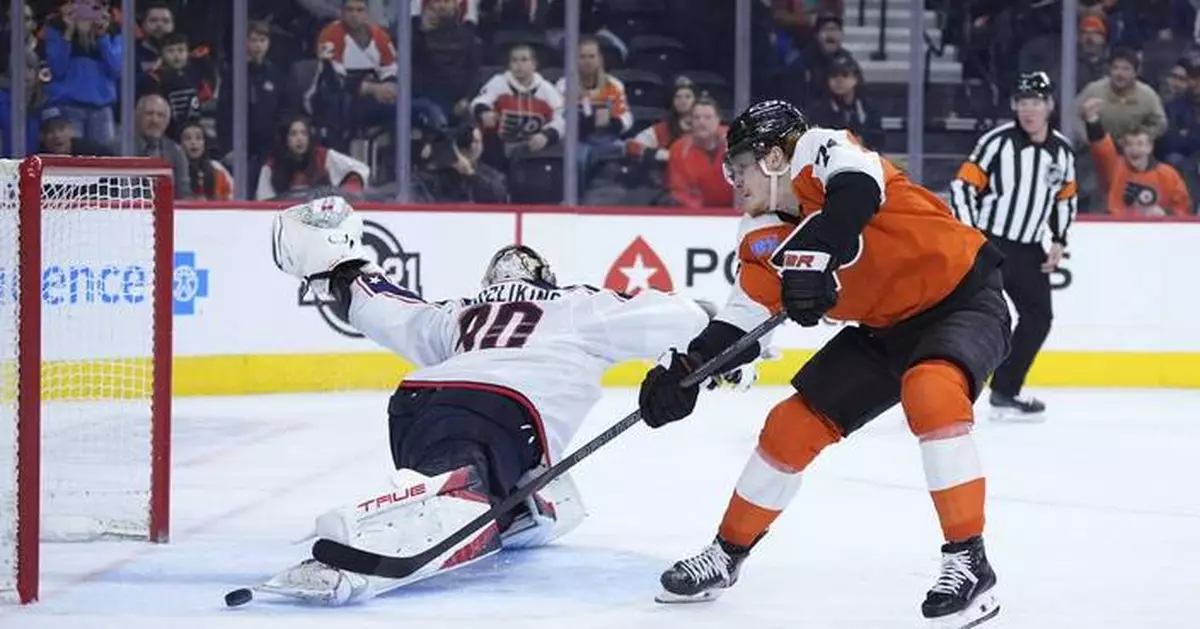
(1029, 289)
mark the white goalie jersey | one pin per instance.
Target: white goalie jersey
(548, 346)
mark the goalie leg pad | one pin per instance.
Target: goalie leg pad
(411, 515)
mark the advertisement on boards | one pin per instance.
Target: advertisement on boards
(231, 299)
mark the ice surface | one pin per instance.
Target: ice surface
(1094, 521)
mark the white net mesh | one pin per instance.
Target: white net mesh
(97, 326)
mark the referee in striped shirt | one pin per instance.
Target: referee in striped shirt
(1019, 181)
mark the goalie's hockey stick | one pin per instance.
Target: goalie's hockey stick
(346, 557)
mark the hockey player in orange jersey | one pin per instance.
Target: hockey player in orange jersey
(851, 239)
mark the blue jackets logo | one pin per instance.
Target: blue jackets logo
(188, 283)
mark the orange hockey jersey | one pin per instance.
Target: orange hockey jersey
(1134, 193)
(910, 256)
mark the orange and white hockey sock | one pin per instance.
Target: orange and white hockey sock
(793, 436)
(936, 400)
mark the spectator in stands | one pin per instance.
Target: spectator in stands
(1091, 63)
(189, 85)
(58, 137)
(652, 147)
(158, 21)
(297, 164)
(35, 77)
(83, 51)
(1181, 142)
(1174, 85)
(603, 109)
(209, 178)
(272, 97)
(450, 171)
(446, 59)
(843, 109)
(819, 58)
(356, 86)
(152, 116)
(1128, 103)
(1137, 184)
(695, 174)
(604, 113)
(518, 109)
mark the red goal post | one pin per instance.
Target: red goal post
(86, 266)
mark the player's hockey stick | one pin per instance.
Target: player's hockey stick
(346, 557)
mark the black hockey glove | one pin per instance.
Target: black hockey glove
(806, 274)
(661, 399)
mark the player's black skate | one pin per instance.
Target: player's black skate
(703, 577)
(962, 596)
(1015, 409)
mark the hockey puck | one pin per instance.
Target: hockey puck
(239, 597)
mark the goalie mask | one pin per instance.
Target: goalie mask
(518, 263)
(755, 132)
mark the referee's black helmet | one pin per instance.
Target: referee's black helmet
(1034, 84)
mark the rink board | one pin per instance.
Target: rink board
(1125, 301)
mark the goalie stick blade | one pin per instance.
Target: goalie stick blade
(364, 562)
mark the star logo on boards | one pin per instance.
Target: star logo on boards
(638, 268)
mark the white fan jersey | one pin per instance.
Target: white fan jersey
(546, 348)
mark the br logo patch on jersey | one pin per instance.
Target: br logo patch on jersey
(637, 269)
(402, 268)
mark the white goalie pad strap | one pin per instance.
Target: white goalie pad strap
(553, 511)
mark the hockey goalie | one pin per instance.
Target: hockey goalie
(504, 380)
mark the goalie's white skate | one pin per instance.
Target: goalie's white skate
(414, 514)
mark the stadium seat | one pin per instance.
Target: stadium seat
(536, 178)
(552, 74)
(664, 56)
(644, 117)
(644, 89)
(304, 72)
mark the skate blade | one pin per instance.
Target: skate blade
(670, 598)
(1014, 416)
(984, 608)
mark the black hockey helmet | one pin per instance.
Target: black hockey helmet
(1034, 84)
(517, 263)
(765, 124)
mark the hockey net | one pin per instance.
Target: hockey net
(85, 329)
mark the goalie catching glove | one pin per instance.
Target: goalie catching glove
(321, 243)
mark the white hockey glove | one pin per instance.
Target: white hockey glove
(312, 238)
(739, 379)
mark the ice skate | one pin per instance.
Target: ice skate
(963, 596)
(705, 576)
(1015, 409)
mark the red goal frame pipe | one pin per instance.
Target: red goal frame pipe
(29, 347)
(29, 387)
(160, 399)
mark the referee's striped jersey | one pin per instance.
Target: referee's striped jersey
(1011, 188)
